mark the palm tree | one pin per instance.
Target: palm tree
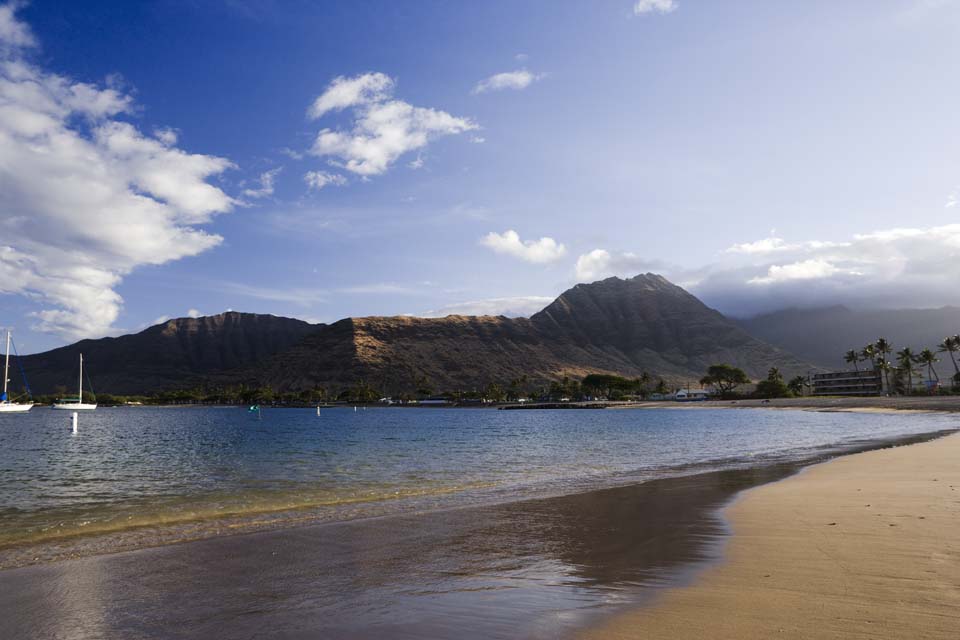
(852, 357)
(796, 385)
(951, 344)
(906, 360)
(928, 357)
(886, 367)
(883, 348)
(869, 354)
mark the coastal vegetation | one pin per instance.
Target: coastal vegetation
(725, 378)
(907, 372)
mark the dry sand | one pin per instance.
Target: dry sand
(865, 546)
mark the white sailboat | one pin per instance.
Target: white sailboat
(76, 404)
(6, 406)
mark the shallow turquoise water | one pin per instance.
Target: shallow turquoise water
(129, 467)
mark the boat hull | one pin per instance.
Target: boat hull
(14, 407)
(74, 406)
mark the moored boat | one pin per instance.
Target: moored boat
(76, 404)
(7, 405)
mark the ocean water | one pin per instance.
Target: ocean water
(154, 467)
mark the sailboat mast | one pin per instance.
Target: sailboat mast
(6, 366)
(81, 377)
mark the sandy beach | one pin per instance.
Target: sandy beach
(881, 404)
(864, 546)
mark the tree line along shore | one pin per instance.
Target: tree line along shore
(904, 372)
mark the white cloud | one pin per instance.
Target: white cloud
(520, 79)
(600, 263)
(416, 163)
(348, 92)
(87, 198)
(539, 251)
(903, 267)
(193, 313)
(320, 179)
(13, 33)
(643, 7)
(766, 245)
(804, 270)
(774, 244)
(478, 139)
(512, 307)
(166, 135)
(383, 128)
(266, 181)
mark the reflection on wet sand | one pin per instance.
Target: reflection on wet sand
(532, 569)
(529, 569)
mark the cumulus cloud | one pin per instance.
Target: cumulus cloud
(166, 135)
(14, 33)
(891, 268)
(600, 263)
(804, 270)
(319, 179)
(193, 313)
(774, 244)
(512, 307)
(644, 7)
(265, 181)
(344, 92)
(382, 129)
(539, 251)
(87, 197)
(520, 79)
(904, 267)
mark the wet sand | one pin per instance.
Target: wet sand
(865, 546)
(532, 569)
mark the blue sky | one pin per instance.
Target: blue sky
(321, 160)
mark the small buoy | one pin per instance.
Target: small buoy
(73, 420)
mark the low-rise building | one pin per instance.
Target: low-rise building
(867, 382)
(691, 395)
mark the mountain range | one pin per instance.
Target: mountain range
(618, 326)
(822, 336)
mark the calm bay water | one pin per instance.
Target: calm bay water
(135, 467)
(570, 515)
(131, 467)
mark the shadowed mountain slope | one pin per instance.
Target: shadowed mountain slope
(823, 335)
(617, 326)
(168, 355)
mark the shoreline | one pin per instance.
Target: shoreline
(855, 404)
(126, 538)
(859, 546)
(558, 564)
